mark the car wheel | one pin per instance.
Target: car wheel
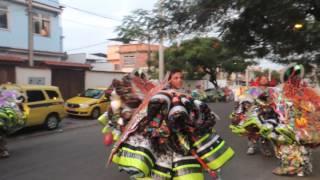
(95, 113)
(52, 122)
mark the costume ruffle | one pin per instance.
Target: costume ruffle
(174, 138)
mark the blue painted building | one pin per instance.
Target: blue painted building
(47, 29)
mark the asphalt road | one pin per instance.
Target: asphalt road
(78, 153)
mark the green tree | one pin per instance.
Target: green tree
(145, 26)
(138, 26)
(280, 30)
(200, 56)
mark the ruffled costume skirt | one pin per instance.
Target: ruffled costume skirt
(138, 158)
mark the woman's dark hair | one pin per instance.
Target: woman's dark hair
(173, 71)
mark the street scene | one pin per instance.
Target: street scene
(78, 153)
(159, 89)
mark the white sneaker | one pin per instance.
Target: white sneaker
(5, 154)
(300, 174)
(251, 151)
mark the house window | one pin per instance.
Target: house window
(41, 25)
(3, 17)
(129, 60)
(117, 67)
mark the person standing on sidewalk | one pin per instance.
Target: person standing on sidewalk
(4, 153)
(11, 117)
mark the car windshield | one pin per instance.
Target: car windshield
(92, 93)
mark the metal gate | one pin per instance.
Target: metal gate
(7, 74)
(70, 82)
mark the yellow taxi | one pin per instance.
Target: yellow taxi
(41, 105)
(90, 103)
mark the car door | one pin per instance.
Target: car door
(104, 103)
(56, 102)
(37, 105)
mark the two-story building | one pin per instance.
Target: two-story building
(47, 32)
(97, 61)
(127, 57)
(48, 69)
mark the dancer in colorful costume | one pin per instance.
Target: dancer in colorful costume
(11, 118)
(288, 117)
(125, 95)
(258, 91)
(170, 136)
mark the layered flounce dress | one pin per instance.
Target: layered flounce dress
(175, 140)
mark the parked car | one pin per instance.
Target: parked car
(219, 95)
(199, 95)
(214, 95)
(90, 103)
(41, 105)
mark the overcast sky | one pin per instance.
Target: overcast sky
(81, 29)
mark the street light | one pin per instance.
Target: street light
(298, 26)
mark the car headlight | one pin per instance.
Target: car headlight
(84, 105)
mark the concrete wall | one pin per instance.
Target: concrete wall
(113, 53)
(100, 79)
(102, 66)
(24, 75)
(77, 58)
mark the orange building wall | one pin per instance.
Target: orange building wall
(117, 52)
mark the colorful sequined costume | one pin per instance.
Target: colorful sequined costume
(287, 116)
(170, 136)
(261, 114)
(11, 118)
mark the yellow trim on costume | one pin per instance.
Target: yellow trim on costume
(214, 150)
(193, 176)
(161, 173)
(105, 130)
(221, 160)
(103, 120)
(131, 162)
(140, 153)
(186, 166)
(201, 140)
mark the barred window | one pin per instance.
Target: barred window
(129, 60)
(41, 25)
(3, 17)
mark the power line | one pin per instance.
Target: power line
(87, 12)
(88, 46)
(84, 24)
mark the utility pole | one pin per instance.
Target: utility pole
(149, 52)
(161, 59)
(247, 76)
(30, 32)
(161, 49)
